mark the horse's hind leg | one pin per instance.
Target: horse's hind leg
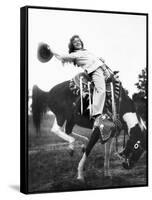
(68, 130)
(92, 141)
(56, 128)
(69, 126)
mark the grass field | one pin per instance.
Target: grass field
(52, 169)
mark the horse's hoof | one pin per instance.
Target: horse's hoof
(71, 147)
(107, 175)
(71, 152)
(80, 179)
(83, 148)
(120, 156)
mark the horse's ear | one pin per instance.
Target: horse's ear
(44, 53)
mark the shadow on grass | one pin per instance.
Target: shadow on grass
(15, 187)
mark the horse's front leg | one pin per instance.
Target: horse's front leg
(108, 148)
(92, 141)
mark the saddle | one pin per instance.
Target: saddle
(82, 87)
(75, 83)
(83, 82)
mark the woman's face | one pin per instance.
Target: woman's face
(77, 44)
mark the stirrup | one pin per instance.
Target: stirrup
(97, 120)
(95, 116)
(100, 116)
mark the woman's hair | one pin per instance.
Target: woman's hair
(71, 47)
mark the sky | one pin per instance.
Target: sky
(119, 39)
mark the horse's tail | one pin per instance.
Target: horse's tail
(39, 105)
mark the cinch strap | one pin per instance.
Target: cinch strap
(81, 95)
(90, 107)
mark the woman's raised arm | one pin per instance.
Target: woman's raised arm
(64, 58)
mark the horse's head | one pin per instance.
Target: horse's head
(135, 146)
(136, 143)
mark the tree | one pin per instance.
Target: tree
(142, 83)
(140, 98)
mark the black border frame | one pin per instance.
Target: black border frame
(24, 91)
(24, 100)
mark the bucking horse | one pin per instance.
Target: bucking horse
(64, 101)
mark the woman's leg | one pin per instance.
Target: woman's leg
(99, 93)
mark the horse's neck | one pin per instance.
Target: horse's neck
(128, 111)
(131, 120)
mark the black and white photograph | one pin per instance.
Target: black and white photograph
(84, 83)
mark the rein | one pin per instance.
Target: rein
(116, 117)
(118, 111)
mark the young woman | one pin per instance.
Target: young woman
(93, 66)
